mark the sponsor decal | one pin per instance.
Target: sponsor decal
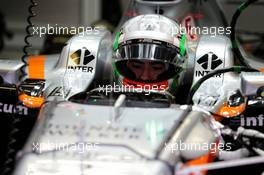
(208, 62)
(252, 121)
(13, 109)
(80, 59)
(248, 121)
(58, 92)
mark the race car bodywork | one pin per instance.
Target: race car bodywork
(82, 131)
(95, 138)
(69, 118)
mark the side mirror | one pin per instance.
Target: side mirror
(31, 93)
(235, 106)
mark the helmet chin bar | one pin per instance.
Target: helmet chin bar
(162, 85)
(170, 72)
(159, 2)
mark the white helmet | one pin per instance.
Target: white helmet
(149, 39)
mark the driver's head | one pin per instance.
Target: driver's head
(148, 50)
(146, 70)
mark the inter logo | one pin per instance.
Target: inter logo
(76, 57)
(209, 61)
(80, 59)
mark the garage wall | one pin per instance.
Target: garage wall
(61, 12)
(251, 19)
(83, 12)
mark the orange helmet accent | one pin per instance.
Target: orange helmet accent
(150, 86)
(31, 102)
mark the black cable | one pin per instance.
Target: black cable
(12, 143)
(247, 146)
(236, 69)
(13, 136)
(27, 46)
(235, 2)
(1, 80)
(235, 47)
